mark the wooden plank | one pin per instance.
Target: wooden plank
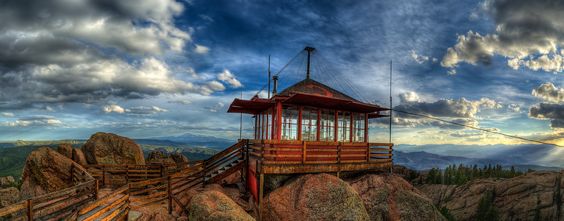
(13, 208)
(100, 212)
(115, 213)
(139, 192)
(148, 197)
(147, 182)
(102, 200)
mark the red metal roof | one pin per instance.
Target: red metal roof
(332, 103)
(254, 106)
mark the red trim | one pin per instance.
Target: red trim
(273, 124)
(365, 127)
(351, 127)
(336, 138)
(300, 112)
(279, 119)
(318, 123)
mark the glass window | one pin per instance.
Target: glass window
(327, 126)
(290, 123)
(344, 126)
(359, 129)
(309, 124)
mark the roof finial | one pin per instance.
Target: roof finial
(309, 50)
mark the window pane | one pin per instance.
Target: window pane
(359, 127)
(344, 126)
(309, 124)
(290, 123)
(327, 125)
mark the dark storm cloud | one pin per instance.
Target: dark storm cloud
(527, 33)
(86, 51)
(552, 112)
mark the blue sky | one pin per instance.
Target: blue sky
(158, 68)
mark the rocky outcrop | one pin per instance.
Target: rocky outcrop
(314, 197)
(390, 197)
(159, 156)
(7, 181)
(9, 196)
(78, 157)
(108, 148)
(213, 205)
(179, 158)
(46, 171)
(536, 194)
(65, 149)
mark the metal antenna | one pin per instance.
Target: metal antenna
(309, 50)
(268, 76)
(390, 126)
(390, 138)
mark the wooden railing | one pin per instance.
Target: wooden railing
(233, 154)
(58, 204)
(114, 206)
(119, 175)
(315, 152)
(52, 206)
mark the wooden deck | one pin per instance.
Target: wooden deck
(290, 157)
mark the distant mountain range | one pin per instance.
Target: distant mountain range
(523, 157)
(199, 141)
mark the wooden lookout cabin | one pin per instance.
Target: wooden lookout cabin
(309, 127)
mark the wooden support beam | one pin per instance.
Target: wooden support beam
(318, 126)
(366, 128)
(304, 154)
(351, 127)
(300, 113)
(336, 126)
(29, 210)
(169, 191)
(279, 119)
(261, 194)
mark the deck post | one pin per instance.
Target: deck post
(169, 195)
(127, 173)
(279, 120)
(103, 176)
(71, 171)
(97, 188)
(300, 112)
(29, 210)
(261, 193)
(304, 149)
(367, 152)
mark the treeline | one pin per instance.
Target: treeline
(457, 175)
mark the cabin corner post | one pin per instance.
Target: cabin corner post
(279, 120)
(300, 117)
(366, 128)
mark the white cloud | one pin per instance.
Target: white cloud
(38, 120)
(7, 114)
(550, 93)
(228, 77)
(528, 41)
(200, 49)
(409, 97)
(143, 110)
(421, 58)
(113, 108)
(217, 107)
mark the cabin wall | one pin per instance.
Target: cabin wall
(306, 123)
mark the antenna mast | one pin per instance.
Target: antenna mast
(390, 138)
(309, 50)
(268, 76)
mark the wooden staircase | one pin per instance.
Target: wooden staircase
(224, 163)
